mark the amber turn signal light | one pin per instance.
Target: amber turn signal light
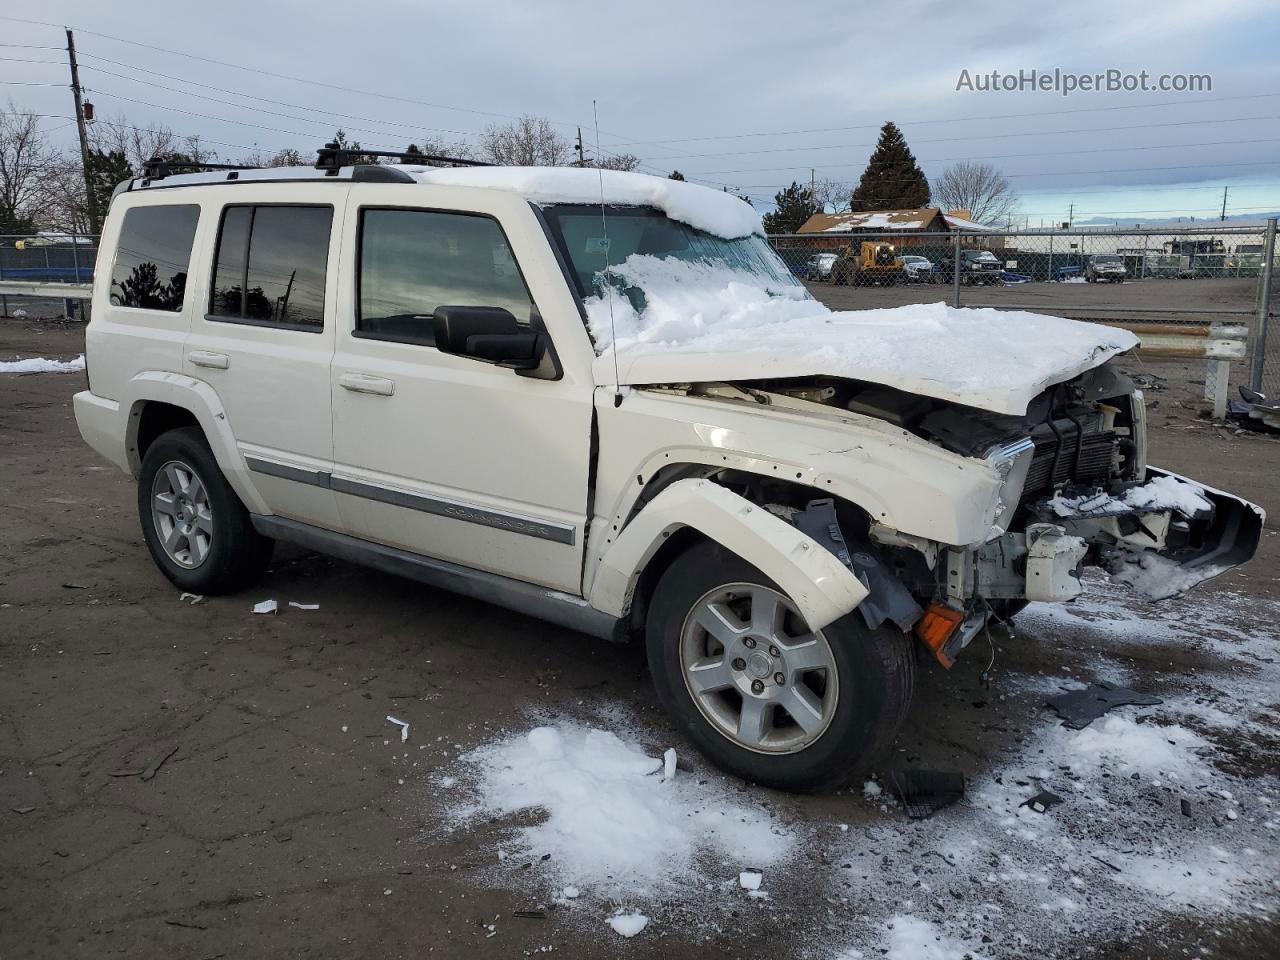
(936, 627)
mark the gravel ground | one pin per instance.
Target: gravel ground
(190, 780)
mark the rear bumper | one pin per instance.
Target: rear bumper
(101, 427)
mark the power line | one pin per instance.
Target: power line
(992, 136)
(250, 96)
(1009, 156)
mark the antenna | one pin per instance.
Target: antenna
(608, 288)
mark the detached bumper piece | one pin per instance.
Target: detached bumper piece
(1161, 537)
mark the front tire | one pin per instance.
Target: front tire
(198, 531)
(761, 695)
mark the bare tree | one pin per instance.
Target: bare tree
(529, 142)
(287, 157)
(27, 166)
(439, 147)
(617, 161)
(979, 188)
(832, 196)
(140, 144)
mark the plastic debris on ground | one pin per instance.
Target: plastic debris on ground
(1079, 708)
(404, 727)
(304, 606)
(923, 792)
(266, 606)
(750, 879)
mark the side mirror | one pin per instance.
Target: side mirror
(488, 334)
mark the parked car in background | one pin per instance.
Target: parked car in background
(818, 267)
(1106, 266)
(976, 266)
(918, 268)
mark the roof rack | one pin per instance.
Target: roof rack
(157, 168)
(331, 157)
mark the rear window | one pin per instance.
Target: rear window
(153, 255)
(270, 266)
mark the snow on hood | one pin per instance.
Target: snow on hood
(712, 211)
(702, 321)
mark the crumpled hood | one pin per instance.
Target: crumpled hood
(701, 322)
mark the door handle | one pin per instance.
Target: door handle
(363, 383)
(204, 358)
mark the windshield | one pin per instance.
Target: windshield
(591, 246)
(978, 255)
(1107, 259)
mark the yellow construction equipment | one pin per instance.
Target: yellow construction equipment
(874, 261)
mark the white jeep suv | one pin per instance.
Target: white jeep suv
(601, 398)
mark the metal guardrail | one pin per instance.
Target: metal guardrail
(57, 291)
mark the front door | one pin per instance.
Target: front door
(443, 455)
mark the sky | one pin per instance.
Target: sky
(750, 95)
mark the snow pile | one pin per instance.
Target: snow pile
(1119, 744)
(703, 322)
(914, 939)
(613, 826)
(42, 365)
(628, 924)
(713, 211)
(1159, 578)
(1158, 494)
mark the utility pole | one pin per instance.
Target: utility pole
(1224, 203)
(582, 156)
(1071, 215)
(813, 185)
(91, 203)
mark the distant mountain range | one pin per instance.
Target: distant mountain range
(1239, 220)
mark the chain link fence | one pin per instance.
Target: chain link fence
(47, 259)
(1189, 277)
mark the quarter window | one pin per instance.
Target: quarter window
(153, 255)
(413, 261)
(271, 264)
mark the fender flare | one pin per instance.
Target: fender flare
(821, 587)
(201, 401)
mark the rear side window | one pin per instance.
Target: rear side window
(270, 266)
(153, 255)
(413, 261)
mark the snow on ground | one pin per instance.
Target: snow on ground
(42, 365)
(613, 826)
(702, 321)
(1157, 821)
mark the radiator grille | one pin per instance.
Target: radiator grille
(1084, 460)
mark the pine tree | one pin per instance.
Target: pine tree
(794, 207)
(893, 180)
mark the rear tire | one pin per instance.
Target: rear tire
(850, 686)
(199, 533)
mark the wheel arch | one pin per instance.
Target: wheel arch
(691, 508)
(162, 401)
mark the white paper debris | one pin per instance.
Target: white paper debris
(750, 879)
(304, 606)
(669, 763)
(404, 727)
(628, 924)
(266, 606)
(193, 597)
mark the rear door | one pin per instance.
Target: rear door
(444, 455)
(264, 337)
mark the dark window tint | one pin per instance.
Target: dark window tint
(152, 257)
(270, 266)
(413, 261)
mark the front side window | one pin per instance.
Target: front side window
(271, 265)
(153, 255)
(413, 261)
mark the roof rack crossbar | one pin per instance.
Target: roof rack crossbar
(157, 168)
(332, 157)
